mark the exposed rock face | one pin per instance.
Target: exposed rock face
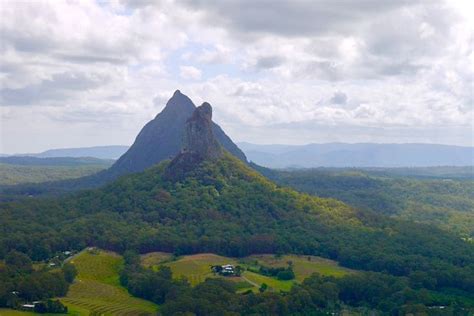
(199, 136)
(199, 143)
(162, 138)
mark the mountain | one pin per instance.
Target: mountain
(207, 200)
(358, 155)
(54, 161)
(199, 144)
(100, 152)
(162, 138)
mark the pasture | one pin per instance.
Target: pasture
(12, 312)
(196, 268)
(97, 290)
(303, 266)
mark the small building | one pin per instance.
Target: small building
(28, 306)
(228, 269)
(225, 270)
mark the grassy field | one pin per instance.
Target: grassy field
(11, 312)
(97, 290)
(196, 268)
(303, 266)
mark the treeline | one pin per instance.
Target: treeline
(316, 295)
(20, 283)
(281, 273)
(224, 207)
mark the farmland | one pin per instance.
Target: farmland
(303, 266)
(11, 312)
(196, 268)
(97, 288)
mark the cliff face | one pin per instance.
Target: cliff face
(199, 143)
(199, 137)
(162, 138)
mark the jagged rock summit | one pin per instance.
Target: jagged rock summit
(199, 137)
(199, 144)
(162, 138)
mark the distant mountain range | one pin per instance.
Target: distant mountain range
(55, 161)
(318, 155)
(101, 152)
(358, 155)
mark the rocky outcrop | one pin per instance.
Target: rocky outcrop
(199, 137)
(199, 144)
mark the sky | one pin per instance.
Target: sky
(87, 73)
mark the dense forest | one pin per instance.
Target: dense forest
(227, 208)
(443, 197)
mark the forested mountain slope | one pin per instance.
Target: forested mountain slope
(446, 203)
(225, 207)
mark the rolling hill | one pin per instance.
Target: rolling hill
(443, 198)
(101, 152)
(97, 289)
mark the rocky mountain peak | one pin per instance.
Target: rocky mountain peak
(179, 105)
(166, 136)
(199, 144)
(199, 137)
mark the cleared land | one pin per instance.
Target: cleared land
(196, 268)
(97, 289)
(303, 266)
(11, 312)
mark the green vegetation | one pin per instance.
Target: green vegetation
(226, 208)
(97, 288)
(303, 266)
(20, 174)
(443, 197)
(196, 268)
(315, 295)
(20, 283)
(12, 312)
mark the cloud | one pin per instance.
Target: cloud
(57, 88)
(292, 18)
(269, 62)
(218, 55)
(190, 73)
(339, 98)
(295, 71)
